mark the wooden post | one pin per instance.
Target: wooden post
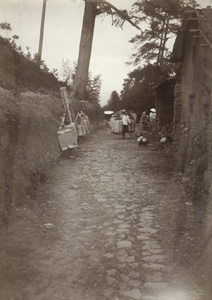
(41, 31)
(67, 104)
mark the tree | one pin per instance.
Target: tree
(81, 77)
(93, 86)
(92, 9)
(93, 89)
(67, 72)
(162, 20)
(114, 103)
(138, 89)
(5, 26)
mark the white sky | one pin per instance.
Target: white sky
(63, 23)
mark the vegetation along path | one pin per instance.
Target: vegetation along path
(111, 222)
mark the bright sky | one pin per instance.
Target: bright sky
(111, 49)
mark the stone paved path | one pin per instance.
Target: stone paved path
(103, 229)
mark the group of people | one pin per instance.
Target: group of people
(128, 119)
(148, 121)
(127, 122)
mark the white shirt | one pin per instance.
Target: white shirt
(125, 119)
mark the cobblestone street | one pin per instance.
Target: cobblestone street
(111, 223)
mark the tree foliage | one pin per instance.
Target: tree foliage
(21, 70)
(114, 103)
(160, 20)
(119, 17)
(138, 89)
(5, 26)
(93, 8)
(93, 86)
(12, 42)
(93, 89)
(67, 72)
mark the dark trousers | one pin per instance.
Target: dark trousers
(124, 130)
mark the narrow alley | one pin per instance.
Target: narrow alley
(111, 222)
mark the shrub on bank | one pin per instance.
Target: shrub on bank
(28, 143)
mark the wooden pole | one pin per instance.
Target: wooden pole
(67, 104)
(42, 31)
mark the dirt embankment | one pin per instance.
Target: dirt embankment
(30, 111)
(28, 144)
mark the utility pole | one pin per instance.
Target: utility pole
(41, 31)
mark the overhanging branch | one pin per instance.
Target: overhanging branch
(120, 13)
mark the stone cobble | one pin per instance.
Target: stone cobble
(134, 262)
(103, 230)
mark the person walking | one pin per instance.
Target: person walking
(125, 122)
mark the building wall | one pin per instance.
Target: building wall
(165, 103)
(193, 97)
